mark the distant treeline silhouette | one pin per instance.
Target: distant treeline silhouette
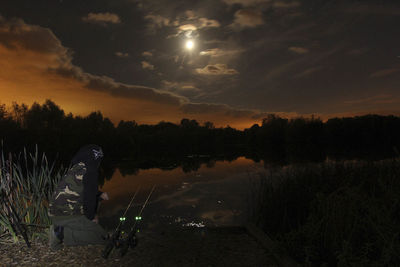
(281, 139)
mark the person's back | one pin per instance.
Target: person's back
(74, 203)
(68, 197)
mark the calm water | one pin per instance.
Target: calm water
(212, 195)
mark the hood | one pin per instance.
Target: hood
(91, 155)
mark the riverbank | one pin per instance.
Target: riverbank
(221, 246)
(333, 213)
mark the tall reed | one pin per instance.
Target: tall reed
(333, 213)
(27, 181)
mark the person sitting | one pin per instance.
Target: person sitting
(74, 203)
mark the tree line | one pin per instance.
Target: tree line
(281, 139)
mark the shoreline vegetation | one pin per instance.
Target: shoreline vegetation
(27, 181)
(330, 194)
(334, 213)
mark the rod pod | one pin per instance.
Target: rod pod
(114, 240)
(131, 239)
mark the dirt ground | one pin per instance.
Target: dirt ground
(226, 246)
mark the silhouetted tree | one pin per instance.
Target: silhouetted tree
(276, 139)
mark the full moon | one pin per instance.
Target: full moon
(189, 44)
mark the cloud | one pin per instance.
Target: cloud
(217, 52)
(189, 23)
(358, 51)
(246, 2)
(385, 72)
(217, 69)
(247, 18)
(186, 89)
(190, 14)
(121, 54)
(190, 29)
(16, 35)
(35, 66)
(298, 50)
(189, 88)
(308, 71)
(102, 18)
(289, 67)
(187, 27)
(282, 69)
(111, 87)
(147, 54)
(157, 21)
(181, 85)
(285, 4)
(208, 23)
(36, 52)
(374, 9)
(377, 99)
(147, 65)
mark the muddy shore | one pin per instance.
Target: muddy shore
(221, 246)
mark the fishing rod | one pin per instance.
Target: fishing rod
(114, 240)
(131, 241)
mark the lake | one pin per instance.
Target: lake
(214, 194)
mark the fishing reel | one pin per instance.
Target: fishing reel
(130, 241)
(122, 240)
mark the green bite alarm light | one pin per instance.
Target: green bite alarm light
(122, 219)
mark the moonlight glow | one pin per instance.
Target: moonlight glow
(189, 44)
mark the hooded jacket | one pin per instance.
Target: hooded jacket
(77, 192)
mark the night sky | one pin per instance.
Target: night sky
(130, 59)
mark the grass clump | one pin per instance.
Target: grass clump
(27, 181)
(333, 213)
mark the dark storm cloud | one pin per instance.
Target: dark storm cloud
(16, 34)
(110, 86)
